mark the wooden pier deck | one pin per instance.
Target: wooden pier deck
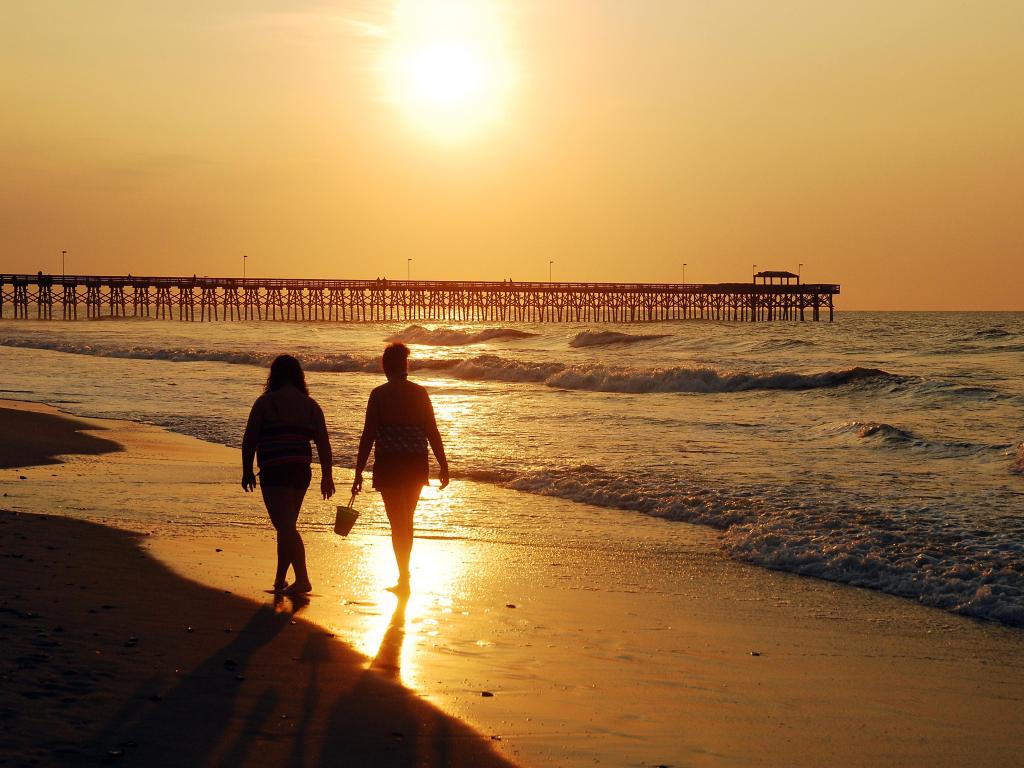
(71, 297)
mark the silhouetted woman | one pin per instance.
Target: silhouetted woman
(281, 425)
(399, 425)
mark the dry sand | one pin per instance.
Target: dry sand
(631, 642)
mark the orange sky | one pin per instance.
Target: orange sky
(881, 144)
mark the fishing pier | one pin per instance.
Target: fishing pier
(209, 299)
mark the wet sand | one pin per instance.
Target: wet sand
(628, 642)
(109, 657)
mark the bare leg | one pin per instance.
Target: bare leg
(283, 505)
(400, 504)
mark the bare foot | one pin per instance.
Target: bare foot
(401, 588)
(299, 588)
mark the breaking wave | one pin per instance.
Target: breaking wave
(600, 378)
(489, 367)
(975, 571)
(607, 338)
(451, 337)
(703, 380)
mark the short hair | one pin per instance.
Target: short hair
(395, 358)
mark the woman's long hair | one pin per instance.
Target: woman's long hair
(286, 370)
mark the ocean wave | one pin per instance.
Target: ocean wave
(992, 333)
(975, 572)
(972, 571)
(607, 338)
(889, 436)
(452, 337)
(600, 378)
(952, 389)
(330, 362)
(702, 380)
(775, 345)
(490, 367)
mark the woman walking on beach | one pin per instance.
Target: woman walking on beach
(282, 422)
(399, 424)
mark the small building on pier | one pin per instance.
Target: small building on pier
(769, 277)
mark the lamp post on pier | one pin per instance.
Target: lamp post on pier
(408, 269)
(799, 270)
(244, 260)
(684, 273)
(754, 271)
(63, 254)
(550, 265)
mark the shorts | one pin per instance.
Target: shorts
(297, 476)
(400, 470)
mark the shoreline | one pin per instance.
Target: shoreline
(630, 642)
(111, 657)
(99, 671)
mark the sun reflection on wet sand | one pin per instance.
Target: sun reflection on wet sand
(395, 629)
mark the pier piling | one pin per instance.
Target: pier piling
(235, 299)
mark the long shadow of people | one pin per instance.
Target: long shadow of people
(318, 652)
(418, 735)
(388, 660)
(192, 719)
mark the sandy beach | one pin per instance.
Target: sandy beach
(617, 642)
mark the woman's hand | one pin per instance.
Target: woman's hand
(327, 486)
(248, 481)
(443, 477)
(357, 484)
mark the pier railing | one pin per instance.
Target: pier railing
(227, 298)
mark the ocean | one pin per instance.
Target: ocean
(882, 451)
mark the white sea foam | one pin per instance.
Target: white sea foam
(908, 552)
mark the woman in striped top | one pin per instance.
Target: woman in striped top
(282, 423)
(399, 425)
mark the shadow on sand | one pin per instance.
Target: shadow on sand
(205, 678)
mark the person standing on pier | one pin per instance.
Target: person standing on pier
(282, 422)
(399, 424)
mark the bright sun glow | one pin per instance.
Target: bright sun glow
(447, 66)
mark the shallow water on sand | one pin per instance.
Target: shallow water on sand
(883, 450)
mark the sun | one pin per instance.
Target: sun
(447, 66)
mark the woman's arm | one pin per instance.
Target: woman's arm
(323, 450)
(436, 445)
(366, 441)
(252, 434)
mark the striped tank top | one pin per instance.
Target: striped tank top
(283, 444)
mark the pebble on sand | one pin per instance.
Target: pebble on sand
(487, 694)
